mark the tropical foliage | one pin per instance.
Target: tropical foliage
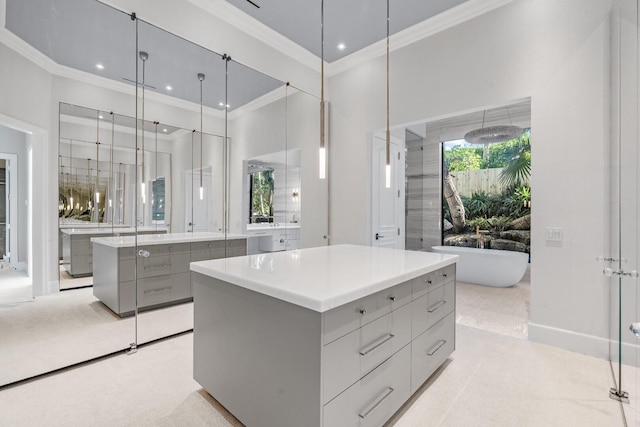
(262, 196)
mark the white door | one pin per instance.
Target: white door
(388, 203)
(198, 210)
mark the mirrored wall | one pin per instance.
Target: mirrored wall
(181, 155)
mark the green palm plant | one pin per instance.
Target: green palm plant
(518, 169)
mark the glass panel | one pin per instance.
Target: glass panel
(69, 325)
(186, 162)
(625, 303)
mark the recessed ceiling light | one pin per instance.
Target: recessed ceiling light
(169, 87)
(221, 104)
(342, 46)
(99, 66)
(164, 130)
(100, 117)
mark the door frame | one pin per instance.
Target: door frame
(400, 176)
(12, 208)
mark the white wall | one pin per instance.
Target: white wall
(284, 124)
(15, 142)
(554, 51)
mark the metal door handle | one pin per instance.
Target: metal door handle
(378, 236)
(376, 344)
(144, 253)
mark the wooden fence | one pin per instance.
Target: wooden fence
(469, 182)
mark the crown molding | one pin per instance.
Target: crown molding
(225, 11)
(43, 61)
(445, 20)
(275, 95)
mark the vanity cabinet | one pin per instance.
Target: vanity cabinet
(275, 238)
(163, 270)
(274, 359)
(77, 250)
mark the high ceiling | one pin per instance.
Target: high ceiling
(354, 23)
(90, 36)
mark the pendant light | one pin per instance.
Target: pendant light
(144, 56)
(201, 78)
(493, 134)
(97, 199)
(71, 171)
(387, 169)
(322, 155)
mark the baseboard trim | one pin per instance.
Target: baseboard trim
(570, 340)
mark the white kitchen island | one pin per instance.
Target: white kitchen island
(331, 336)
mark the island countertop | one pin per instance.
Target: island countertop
(160, 239)
(324, 278)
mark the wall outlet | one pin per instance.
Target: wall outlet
(554, 234)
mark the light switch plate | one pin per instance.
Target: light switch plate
(554, 234)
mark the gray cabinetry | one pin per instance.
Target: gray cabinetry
(163, 275)
(275, 363)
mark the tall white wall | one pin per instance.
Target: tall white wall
(557, 53)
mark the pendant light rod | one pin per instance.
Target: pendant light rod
(143, 56)
(322, 153)
(201, 78)
(97, 200)
(388, 133)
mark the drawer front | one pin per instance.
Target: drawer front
(426, 282)
(126, 270)
(430, 349)
(163, 289)
(81, 264)
(236, 248)
(207, 246)
(430, 308)
(354, 355)
(165, 249)
(81, 246)
(160, 265)
(126, 253)
(349, 317)
(375, 398)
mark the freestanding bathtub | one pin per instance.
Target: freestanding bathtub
(489, 267)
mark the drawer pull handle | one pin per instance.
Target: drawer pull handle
(155, 291)
(393, 299)
(144, 253)
(436, 347)
(376, 403)
(436, 306)
(444, 274)
(151, 267)
(362, 311)
(427, 281)
(376, 344)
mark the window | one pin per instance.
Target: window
(261, 196)
(157, 200)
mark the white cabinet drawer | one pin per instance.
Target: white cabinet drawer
(352, 356)
(349, 317)
(430, 349)
(375, 398)
(429, 308)
(154, 291)
(426, 282)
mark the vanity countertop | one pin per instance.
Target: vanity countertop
(160, 239)
(325, 277)
(109, 230)
(266, 227)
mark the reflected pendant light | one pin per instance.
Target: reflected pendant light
(144, 56)
(322, 155)
(201, 78)
(387, 169)
(493, 134)
(111, 187)
(97, 199)
(71, 172)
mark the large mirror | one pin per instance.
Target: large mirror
(155, 170)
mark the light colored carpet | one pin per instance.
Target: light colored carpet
(491, 380)
(58, 330)
(69, 282)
